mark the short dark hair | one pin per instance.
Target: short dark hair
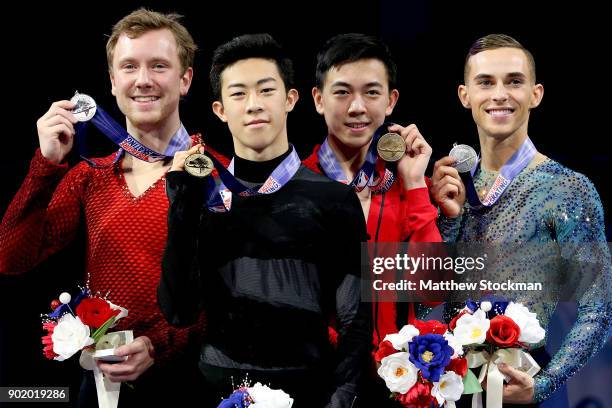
(493, 42)
(346, 48)
(249, 46)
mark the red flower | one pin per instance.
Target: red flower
(430, 327)
(503, 332)
(95, 312)
(419, 396)
(458, 365)
(333, 336)
(453, 322)
(47, 341)
(384, 349)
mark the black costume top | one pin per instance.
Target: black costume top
(271, 274)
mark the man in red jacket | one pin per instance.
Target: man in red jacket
(355, 92)
(121, 199)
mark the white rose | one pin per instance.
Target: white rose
(449, 388)
(265, 397)
(400, 340)
(398, 372)
(69, 336)
(531, 331)
(455, 344)
(472, 329)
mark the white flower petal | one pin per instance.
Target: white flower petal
(398, 372)
(69, 336)
(449, 388)
(531, 331)
(400, 340)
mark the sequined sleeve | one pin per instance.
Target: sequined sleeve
(449, 227)
(43, 216)
(578, 223)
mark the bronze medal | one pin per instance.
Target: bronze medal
(391, 147)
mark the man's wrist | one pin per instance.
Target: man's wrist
(410, 184)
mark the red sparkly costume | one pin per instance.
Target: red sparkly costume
(126, 236)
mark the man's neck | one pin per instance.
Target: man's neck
(156, 138)
(257, 171)
(350, 159)
(277, 148)
(497, 151)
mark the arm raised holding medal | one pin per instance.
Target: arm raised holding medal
(120, 199)
(447, 188)
(411, 167)
(56, 131)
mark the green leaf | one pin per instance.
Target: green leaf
(471, 384)
(102, 329)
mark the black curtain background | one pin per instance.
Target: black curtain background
(51, 50)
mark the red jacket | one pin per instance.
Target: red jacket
(395, 216)
(126, 236)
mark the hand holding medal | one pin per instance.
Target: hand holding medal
(447, 188)
(412, 163)
(56, 130)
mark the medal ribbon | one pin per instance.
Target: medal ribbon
(220, 197)
(365, 176)
(519, 160)
(126, 142)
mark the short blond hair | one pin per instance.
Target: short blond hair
(141, 21)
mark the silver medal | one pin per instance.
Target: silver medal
(466, 157)
(85, 108)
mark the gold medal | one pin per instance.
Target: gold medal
(198, 165)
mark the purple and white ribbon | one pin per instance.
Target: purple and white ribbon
(365, 177)
(220, 198)
(519, 160)
(128, 143)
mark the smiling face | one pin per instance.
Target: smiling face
(148, 80)
(255, 104)
(355, 100)
(500, 91)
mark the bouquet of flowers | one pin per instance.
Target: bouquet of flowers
(494, 333)
(81, 324)
(422, 365)
(257, 396)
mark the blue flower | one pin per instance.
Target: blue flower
(236, 400)
(430, 353)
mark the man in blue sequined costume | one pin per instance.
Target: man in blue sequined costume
(552, 214)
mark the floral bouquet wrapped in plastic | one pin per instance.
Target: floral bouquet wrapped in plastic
(422, 366)
(81, 324)
(257, 396)
(494, 333)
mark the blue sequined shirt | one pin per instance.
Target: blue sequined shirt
(549, 206)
